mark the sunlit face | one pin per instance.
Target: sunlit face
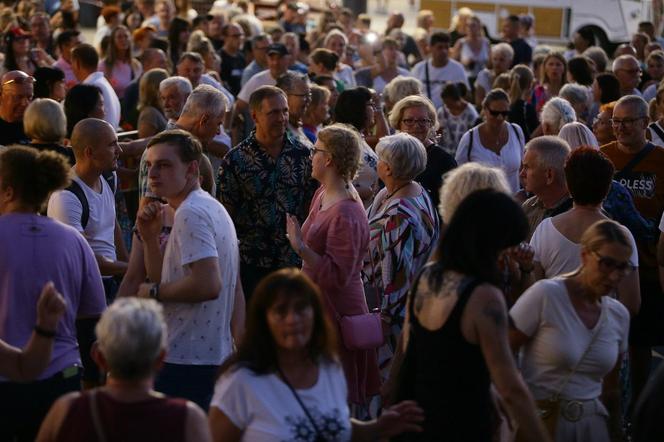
(320, 161)
(192, 70)
(291, 323)
(416, 121)
(532, 174)
(337, 45)
(172, 102)
(105, 154)
(299, 99)
(277, 64)
(168, 175)
(628, 126)
(272, 117)
(500, 61)
(554, 69)
(15, 99)
(496, 112)
(628, 73)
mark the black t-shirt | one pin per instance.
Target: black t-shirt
(439, 162)
(54, 147)
(232, 67)
(12, 133)
(523, 53)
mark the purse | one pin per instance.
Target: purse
(549, 410)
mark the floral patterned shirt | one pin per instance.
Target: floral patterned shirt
(259, 191)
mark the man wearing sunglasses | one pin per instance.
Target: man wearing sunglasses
(15, 96)
(640, 168)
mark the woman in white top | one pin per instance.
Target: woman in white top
(285, 381)
(473, 49)
(557, 240)
(495, 142)
(336, 41)
(502, 55)
(574, 336)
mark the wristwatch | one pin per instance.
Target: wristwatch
(154, 292)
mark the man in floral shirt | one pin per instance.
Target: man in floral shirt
(262, 179)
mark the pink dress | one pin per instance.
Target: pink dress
(340, 235)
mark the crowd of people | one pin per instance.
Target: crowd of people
(217, 225)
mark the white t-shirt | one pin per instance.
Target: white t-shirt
(452, 72)
(484, 80)
(346, 75)
(509, 158)
(100, 230)
(559, 338)
(199, 333)
(650, 92)
(111, 101)
(379, 83)
(266, 410)
(263, 78)
(557, 254)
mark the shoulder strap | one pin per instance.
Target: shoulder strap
(96, 419)
(79, 193)
(655, 128)
(516, 132)
(299, 401)
(427, 81)
(111, 180)
(634, 161)
(470, 143)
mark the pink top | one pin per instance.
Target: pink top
(120, 76)
(340, 235)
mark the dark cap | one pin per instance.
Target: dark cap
(277, 48)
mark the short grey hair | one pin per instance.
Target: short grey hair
(131, 333)
(335, 33)
(289, 79)
(552, 152)
(575, 94)
(400, 87)
(639, 104)
(597, 55)
(466, 179)
(45, 120)
(557, 112)
(404, 153)
(205, 99)
(183, 84)
(619, 61)
(503, 48)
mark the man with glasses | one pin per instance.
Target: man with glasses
(628, 72)
(15, 96)
(259, 44)
(232, 59)
(298, 91)
(261, 180)
(640, 168)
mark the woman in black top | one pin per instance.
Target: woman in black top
(456, 335)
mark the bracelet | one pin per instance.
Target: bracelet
(44, 333)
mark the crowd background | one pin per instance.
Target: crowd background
(317, 225)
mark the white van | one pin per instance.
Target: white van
(611, 21)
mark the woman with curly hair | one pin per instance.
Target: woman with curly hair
(118, 66)
(333, 242)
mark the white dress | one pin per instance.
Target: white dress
(557, 254)
(558, 340)
(267, 411)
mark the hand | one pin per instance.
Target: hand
(523, 255)
(50, 307)
(144, 290)
(149, 220)
(294, 233)
(400, 418)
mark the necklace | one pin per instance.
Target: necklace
(390, 195)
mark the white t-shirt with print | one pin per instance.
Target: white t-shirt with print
(508, 159)
(199, 332)
(452, 72)
(557, 254)
(267, 411)
(558, 339)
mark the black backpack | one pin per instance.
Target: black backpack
(78, 191)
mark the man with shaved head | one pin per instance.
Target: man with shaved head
(15, 96)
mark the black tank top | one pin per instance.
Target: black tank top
(448, 378)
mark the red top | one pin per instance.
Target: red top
(154, 419)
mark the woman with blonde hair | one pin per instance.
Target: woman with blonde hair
(554, 77)
(501, 57)
(458, 24)
(45, 124)
(151, 119)
(333, 242)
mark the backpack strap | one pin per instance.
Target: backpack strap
(427, 81)
(470, 143)
(655, 128)
(78, 192)
(111, 179)
(516, 133)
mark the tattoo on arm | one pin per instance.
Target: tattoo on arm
(495, 311)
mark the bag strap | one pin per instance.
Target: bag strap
(593, 337)
(427, 81)
(79, 193)
(96, 419)
(516, 133)
(658, 130)
(299, 401)
(634, 161)
(470, 143)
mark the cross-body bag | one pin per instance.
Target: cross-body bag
(319, 436)
(427, 81)
(634, 161)
(655, 128)
(551, 409)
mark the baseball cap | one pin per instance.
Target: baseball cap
(277, 48)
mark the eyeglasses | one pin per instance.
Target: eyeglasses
(630, 71)
(306, 96)
(617, 122)
(601, 121)
(314, 150)
(609, 265)
(495, 113)
(416, 121)
(20, 80)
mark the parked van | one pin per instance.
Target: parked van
(556, 21)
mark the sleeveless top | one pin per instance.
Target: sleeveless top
(447, 376)
(154, 419)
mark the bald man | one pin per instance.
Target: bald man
(15, 96)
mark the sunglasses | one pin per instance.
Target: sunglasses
(495, 113)
(609, 265)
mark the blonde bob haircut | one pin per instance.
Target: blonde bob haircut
(344, 145)
(396, 114)
(44, 120)
(466, 179)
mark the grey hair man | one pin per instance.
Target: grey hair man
(298, 90)
(543, 175)
(628, 72)
(579, 97)
(173, 93)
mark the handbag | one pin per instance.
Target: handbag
(550, 409)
